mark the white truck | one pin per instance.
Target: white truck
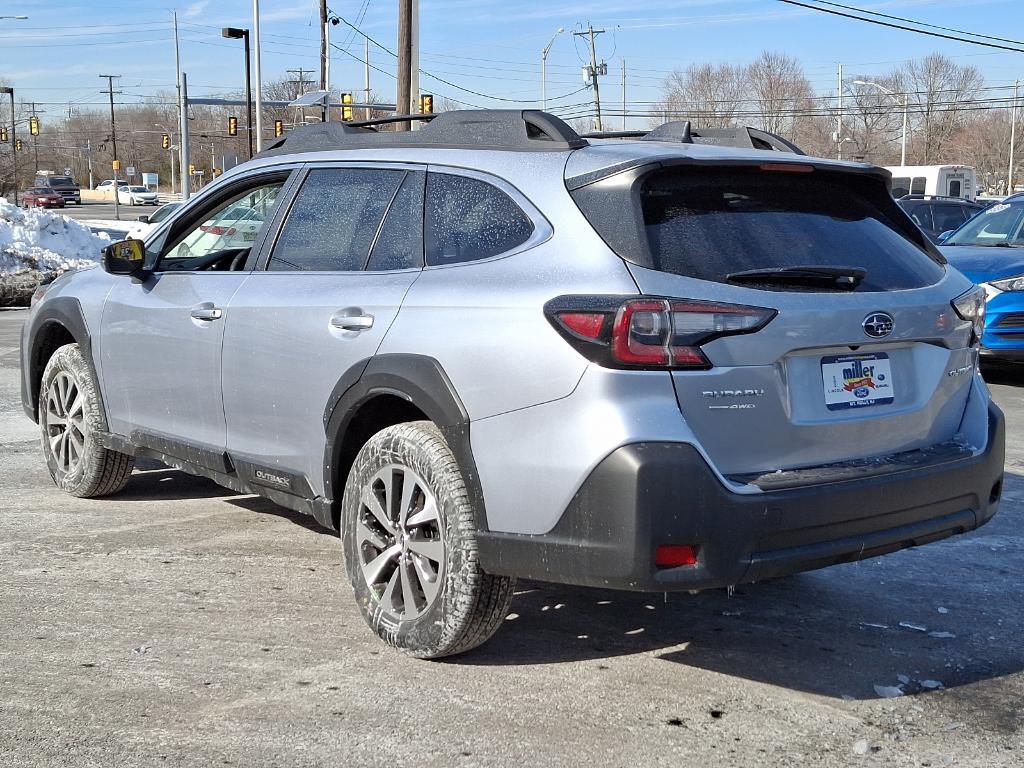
(934, 181)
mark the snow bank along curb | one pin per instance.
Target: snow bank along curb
(36, 246)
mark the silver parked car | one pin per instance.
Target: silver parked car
(493, 348)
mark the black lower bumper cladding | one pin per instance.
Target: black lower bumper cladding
(651, 494)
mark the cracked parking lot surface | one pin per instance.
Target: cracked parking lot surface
(181, 624)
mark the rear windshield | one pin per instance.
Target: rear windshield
(712, 223)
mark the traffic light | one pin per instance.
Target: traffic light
(191, 169)
(426, 104)
(33, 125)
(346, 108)
(3, 133)
(278, 127)
(165, 141)
(17, 144)
(232, 126)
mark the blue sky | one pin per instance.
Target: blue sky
(488, 46)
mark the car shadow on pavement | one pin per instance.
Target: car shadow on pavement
(1010, 374)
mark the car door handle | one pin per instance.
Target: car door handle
(207, 313)
(352, 322)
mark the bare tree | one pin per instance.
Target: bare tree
(939, 90)
(779, 91)
(710, 95)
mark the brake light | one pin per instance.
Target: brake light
(675, 555)
(649, 332)
(970, 306)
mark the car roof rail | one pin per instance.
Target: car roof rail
(683, 131)
(936, 197)
(502, 129)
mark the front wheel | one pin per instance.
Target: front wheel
(409, 535)
(70, 419)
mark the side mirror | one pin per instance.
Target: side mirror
(125, 257)
(946, 235)
(144, 219)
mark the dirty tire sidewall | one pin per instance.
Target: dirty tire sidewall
(100, 471)
(471, 604)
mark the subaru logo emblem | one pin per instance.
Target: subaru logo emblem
(878, 325)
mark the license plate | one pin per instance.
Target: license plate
(857, 381)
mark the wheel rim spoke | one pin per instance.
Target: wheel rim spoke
(431, 550)
(372, 503)
(408, 489)
(429, 581)
(409, 607)
(373, 570)
(426, 515)
(375, 538)
(389, 597)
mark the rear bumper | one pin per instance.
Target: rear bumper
(648, 494)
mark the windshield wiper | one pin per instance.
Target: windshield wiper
(1005, 244)
(838, 278)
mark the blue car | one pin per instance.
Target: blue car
(989, 249)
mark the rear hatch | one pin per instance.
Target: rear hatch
(865, 356)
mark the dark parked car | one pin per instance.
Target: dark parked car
(65, 186)
(42, 197)
(935, 215)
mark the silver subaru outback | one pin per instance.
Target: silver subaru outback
(493, 348)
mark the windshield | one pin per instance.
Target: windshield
(998, 225)
(138, 189)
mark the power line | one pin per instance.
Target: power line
(900, 26)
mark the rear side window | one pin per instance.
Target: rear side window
(949, 217)
(918, 185)
(710, 224)
(400, 242)
(468, 219)
(900, 186)
(334, 220)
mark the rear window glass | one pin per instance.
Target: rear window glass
(900, 186)
(710, 224)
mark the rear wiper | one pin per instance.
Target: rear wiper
(840, 278)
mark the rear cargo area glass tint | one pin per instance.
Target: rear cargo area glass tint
(709, 224)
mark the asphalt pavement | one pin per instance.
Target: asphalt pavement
(181, 624)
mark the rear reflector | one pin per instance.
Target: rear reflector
(675, 555)
(587, 325)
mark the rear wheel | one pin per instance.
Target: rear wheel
(69, 417)
(409, 535)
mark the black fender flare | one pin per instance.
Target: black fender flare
(65, 311)
(419, 380)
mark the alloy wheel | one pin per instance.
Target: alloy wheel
(401, 542)
(65, 422)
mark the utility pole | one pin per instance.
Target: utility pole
(1013, 138)
(366, 74)
(404, 96)
(301, 74)
(88, 155)
(593, 71)
(839, 118)
(323, 46)
(113, 141)
(14, 144)
(183, 163)
(623, 94)
(414, 63)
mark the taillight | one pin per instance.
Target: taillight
(649, 332)
(970, 306)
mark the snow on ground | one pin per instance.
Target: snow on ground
(38, 245)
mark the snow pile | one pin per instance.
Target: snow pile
(36, 246)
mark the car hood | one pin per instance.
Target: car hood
(983, 264)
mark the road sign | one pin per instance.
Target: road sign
(130, 170)
(67, 171)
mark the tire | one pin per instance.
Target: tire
(429, 562)
(70, 420)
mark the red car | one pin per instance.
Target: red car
(40, 197)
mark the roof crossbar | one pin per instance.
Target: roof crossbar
(682, 131)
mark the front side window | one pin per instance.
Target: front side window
(467, 219)
(224, 235)
(922, 216)
(335, 219)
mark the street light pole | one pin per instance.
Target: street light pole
(258, 72)
(906, 98)
(544, 68)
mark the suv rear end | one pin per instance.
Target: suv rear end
(821, 360)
